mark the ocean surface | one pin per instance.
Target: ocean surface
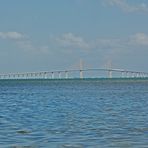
(91, 113)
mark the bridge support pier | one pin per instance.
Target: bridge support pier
(59, 74)
(81, 74)
(66, 74)
(109, 74)
(122, 74)
(52, 75)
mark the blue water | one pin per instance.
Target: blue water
(74, 113)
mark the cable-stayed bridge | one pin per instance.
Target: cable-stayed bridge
(79, 73)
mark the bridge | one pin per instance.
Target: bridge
(80, 73)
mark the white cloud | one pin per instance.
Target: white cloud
(11, 35)
(73, 41)
(70, 41)
(125, 6)
(24, 43)
(112, 49)
(28, 46)
(139, 39)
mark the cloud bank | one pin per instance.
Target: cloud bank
(23, 42)
(69, 43)
(139, 39)
(126, 7)
(72, 41)
(11, 35)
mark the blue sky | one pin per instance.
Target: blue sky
(43, 35)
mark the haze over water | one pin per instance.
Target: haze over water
(74, 113)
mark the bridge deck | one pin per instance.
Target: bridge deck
(51, 74)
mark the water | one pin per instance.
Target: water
(74, 113)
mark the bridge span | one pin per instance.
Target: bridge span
(66, 74)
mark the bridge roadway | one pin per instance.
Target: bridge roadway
(51, 74)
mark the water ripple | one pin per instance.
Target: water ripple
(73, 114)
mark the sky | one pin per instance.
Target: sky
(45, 35)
